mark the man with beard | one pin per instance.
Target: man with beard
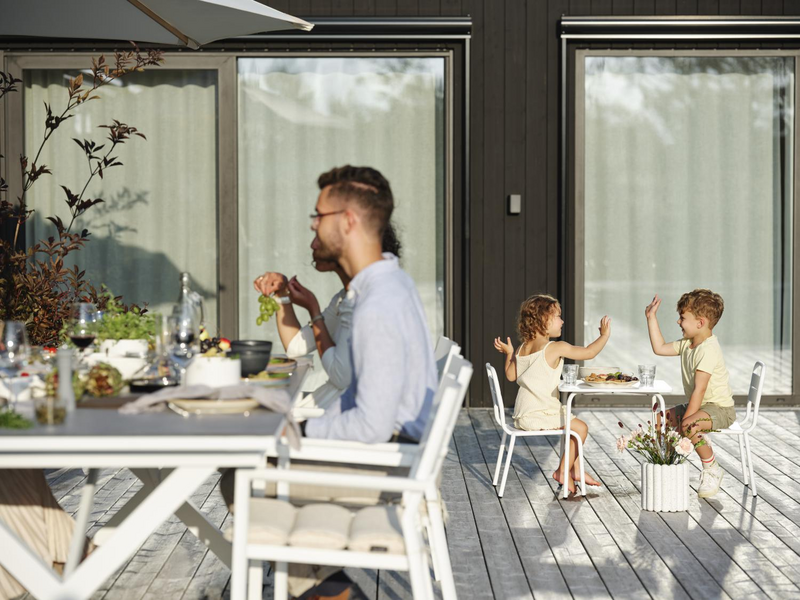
(394, 372)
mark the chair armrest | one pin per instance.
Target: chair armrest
(324, 479)
(358, 453)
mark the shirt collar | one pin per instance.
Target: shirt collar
(364, 278)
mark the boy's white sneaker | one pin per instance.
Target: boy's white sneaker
(710, 480)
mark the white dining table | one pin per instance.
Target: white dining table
(571, 391)
(172, 456)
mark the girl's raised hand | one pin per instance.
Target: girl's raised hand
(505, 348)
(651, 309)
(605, 326)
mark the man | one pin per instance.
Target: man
(394, 371)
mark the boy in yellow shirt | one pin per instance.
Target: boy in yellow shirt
(705, 377)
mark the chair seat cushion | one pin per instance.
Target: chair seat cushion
(326, 526)
(271, 521)
(377, 529)
(321, 526)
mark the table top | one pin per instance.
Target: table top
(108, 432)
(659, 387)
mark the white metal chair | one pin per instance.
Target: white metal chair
(396, 455)
(444, 351)
(743, 429)
(514, 433)
(402, 528)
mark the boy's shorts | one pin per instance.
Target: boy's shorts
(722, 417)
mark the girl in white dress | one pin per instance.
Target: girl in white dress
(536, 367)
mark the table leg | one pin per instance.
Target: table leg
(26, 566)
(78, 542)
(567, 443)
(154, 510)
(192, 516)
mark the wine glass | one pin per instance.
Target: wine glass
(82, 327)
(14, 355)
(184, 336)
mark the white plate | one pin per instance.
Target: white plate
(213, 407)
(608, 385)
(267, 382)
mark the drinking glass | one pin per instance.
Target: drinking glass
(14, 355)
(82, 326)
(570, 374)
(183, 343)
(647, 375)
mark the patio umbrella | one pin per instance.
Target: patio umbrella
(175, 22)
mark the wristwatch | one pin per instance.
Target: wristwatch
(319, 317)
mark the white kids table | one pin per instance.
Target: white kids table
(657, 391)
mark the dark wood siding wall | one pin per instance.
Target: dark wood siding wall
(515, 137)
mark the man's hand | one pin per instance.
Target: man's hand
(304, 297)
(650, 311)
(271, 283)
(605, 326)
(504, 347)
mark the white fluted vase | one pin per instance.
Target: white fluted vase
(665, 488)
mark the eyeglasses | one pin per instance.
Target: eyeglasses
(316, 217)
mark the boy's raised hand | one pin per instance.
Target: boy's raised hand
(605, 326)
(651, 309)
(504, 347)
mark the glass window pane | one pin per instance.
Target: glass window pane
(688, 181)
(299, 117)
(159, 215)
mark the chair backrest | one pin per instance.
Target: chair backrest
(756, 387)
(295, 387)
(455, 368)
(445, 350)
(497, 396)
(436, 438)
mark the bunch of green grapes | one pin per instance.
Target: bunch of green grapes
(268, 307)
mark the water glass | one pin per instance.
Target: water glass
(570, 374)
(647, 375)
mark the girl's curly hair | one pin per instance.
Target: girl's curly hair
(533, 316)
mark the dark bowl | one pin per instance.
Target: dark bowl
(254, 355)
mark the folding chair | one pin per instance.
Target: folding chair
(514, 433)
(743, 429)
(445, 350)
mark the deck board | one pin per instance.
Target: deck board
(530, 543)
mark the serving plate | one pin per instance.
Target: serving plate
(281, 365)
(610, 384)
(213, 407)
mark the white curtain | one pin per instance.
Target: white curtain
(159, 215)
(299, 117)
(688, 184)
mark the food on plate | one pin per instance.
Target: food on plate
(265, 376)
(612, 378)
(103, 380)
(268, 306)
(212, 346)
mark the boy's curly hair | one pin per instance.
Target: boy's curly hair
(702, 303)
(533, 316)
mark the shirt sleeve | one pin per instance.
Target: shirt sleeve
(676, 345)
(378, 361)
(705, 359)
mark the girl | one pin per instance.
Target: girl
(536, 367)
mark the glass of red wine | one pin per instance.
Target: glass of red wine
(82, 327)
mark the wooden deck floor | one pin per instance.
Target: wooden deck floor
(531, 544)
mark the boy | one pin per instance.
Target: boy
(705, 377)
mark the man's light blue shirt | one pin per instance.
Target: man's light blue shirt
(394, 377)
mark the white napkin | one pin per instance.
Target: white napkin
(277, 400)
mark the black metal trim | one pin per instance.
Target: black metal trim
(680, 26)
